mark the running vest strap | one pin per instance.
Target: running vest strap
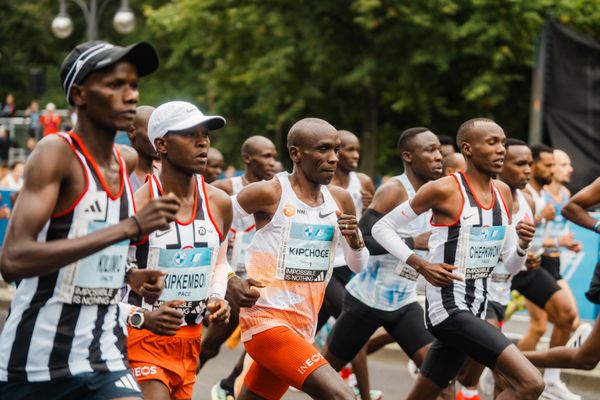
(241, 233)
(293, 257)
(386, 284)
(68, 322)
(473, 244)
(500, 281)
(187, 251)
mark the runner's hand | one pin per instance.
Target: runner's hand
(158, 214)
(367, 198)
(421, 241)
(243, 291)
(533, 261)
(148, 283)
(568, 241)
(219, 311)
(165, 320)
(349, 228)
(438, 274)
(525, 231)
(548, 212)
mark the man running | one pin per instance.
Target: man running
(214, 165)
(192, 250)
(259, 155)
(515, 173)
(588, 355)
(384, 294)
(147, 155)
(68, 237)
(299, 220)
(448, 145)
(453, 162)
(470, 216)
(550, 239)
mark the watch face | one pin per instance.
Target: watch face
(136, 320)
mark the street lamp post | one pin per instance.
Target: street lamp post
(123, 21)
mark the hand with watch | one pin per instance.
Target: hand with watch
(164, 320)
(525, 231)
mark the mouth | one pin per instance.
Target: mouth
(498, 162)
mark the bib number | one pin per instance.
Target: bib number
(480, 251)
(240, 245)
(97, 278)
(305, 252)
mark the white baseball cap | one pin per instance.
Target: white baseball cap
(178, 116)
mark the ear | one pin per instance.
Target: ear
(406, 157)
(161, 145)
(78, 95)
(131, 133)
(466, 149)
(247, 158)
(295, 154)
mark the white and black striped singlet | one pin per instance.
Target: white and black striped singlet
(68, 322)
(187, 251)
(473, 243)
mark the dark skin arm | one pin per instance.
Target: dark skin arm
(347, 217)
(575, 210)
(225, 185)
(368, 190)
(52, 178)
(130, 156)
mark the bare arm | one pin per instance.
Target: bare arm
(130, 156)
(225, 185)
(575, 210)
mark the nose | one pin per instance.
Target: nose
(438, 155)
(131, 95)
(333, 157)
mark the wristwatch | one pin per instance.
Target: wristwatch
(136, 319)
(523, 252)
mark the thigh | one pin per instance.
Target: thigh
(285, 355)
(539, 288)
(349, 334)
(262, 382)
(407, 327)
(66, 388)
(442, 363)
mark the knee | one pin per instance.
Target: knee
(565, 317)
(538, 329)
(531, 387)
(586, 362)
(342, 392)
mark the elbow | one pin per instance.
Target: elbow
(587, 363)
(8, 268)
(567, 211)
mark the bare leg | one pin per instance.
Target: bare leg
(537, 326)
(326, 384)
(562, 315)
(565, 285)
(155, 390)
(525, 381)
(360, 368)
(378, 341)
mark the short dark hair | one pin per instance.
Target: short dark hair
(514, 142)
(446, 140)
(409, 134)
(538, 149)
(466, 126)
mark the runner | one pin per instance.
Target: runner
(384, 294)
(292, 254)
(259, 155)
(551, 237)
(147, 155)
(453, 162)
(64, 337)
(192, 249)
(515, 173)
(214, 165)
(588, 355)
(472, 236)
(448, 145)
(361, 189)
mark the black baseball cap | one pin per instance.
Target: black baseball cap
(92, 56)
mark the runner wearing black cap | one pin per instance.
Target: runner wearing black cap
(68, 237)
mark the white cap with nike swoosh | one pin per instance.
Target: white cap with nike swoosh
(178, 116)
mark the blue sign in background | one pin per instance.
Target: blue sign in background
(5, 193)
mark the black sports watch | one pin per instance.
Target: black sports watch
(136, 320)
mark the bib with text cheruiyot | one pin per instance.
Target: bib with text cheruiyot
(97, 278)
(240, 245)
(478, 251)
(306, 252)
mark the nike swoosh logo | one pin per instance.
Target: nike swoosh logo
(321, 215)
(162, 233)
(468, 217)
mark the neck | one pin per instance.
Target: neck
(144, 165)
(175, 181)
(306, 190)
(99, 141)
(341, 178)
(554, 187)
(250, 177)
(414, 179)
(536, 185)
(478, 179)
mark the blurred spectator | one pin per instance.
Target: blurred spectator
(14, 177)
(8, 110)
(33, 112)
(229, 172)
(50, 120)
(72, 117)
(5, 142)
(3, 173)
(30, 144)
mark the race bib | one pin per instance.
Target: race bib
(95, 279)
(479, 250)
(500, 274)
(306, 252)
(240, 245)
(188, 272)
(405, 270)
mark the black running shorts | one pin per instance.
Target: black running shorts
(495, 311)
(459, 336)
(334, 295)
(552, 265)
(358, 322)
(536, 285)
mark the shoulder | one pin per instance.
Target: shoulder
(392, 186)
(142, 196)
(528, 199)
(444, 186)
(224, 184)
(342, 198)
(217, 195)
(365, 181)
(130, 156)
(51, 158)
(502, 188)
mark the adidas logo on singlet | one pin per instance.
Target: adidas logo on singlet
(96, 208)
